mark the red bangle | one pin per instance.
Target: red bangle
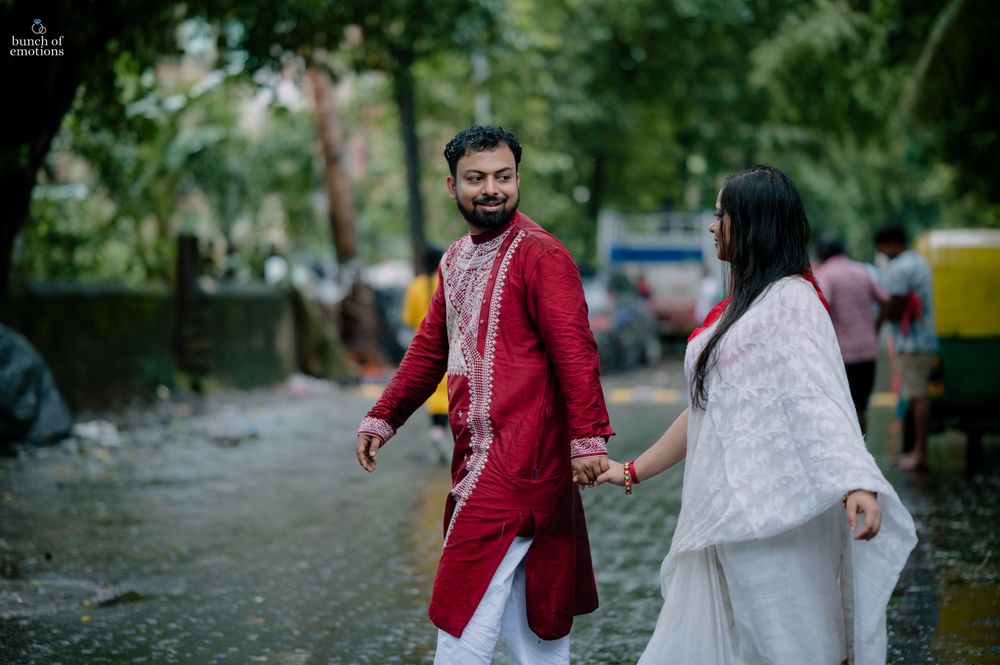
(631, 472)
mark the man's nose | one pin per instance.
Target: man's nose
(490, 186)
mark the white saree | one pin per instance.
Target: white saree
(762, 568)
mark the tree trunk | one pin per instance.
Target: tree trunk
(360, 315)
(403, 90)
(191, 324)
(338, 186)
(43, 89)
(598, 180)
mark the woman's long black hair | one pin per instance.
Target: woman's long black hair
(767, 239)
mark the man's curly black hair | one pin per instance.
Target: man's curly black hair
(478, 139)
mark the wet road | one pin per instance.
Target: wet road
(242, 530)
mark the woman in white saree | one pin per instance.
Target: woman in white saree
(774, 559)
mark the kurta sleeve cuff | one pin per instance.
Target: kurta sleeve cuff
(377, 427)
(589, 447)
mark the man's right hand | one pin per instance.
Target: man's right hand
(587, 469)
(368, 445)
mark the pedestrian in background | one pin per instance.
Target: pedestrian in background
(508, 322)
(851, 292)
(415, 303)
(769, 561)
(910, 309)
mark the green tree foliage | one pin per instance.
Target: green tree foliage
(837, 74)
(389, 36)
(180, 162)
(954, 95)
(640, 105)
(878, 109)
(97, 40)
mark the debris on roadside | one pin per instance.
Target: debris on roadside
(101, 432)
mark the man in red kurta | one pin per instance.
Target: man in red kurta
(509, 324)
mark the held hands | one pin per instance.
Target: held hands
(586, 470)
(613, 472)
(615, 475)
(368, 445)
(861, 501)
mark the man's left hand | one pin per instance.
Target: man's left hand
(587, 469)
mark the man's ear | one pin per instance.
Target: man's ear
(450, 182)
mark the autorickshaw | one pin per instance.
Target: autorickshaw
(965, 391)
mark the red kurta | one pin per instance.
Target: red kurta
(509, 324)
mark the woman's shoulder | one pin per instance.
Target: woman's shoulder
(786, 303)
(793, 292)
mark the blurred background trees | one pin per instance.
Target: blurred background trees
(202, 117)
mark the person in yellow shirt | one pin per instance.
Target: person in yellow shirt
(415, 304)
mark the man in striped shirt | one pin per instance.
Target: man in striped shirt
(851, 292)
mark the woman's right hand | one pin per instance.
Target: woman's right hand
(614, 475)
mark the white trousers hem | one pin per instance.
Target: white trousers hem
(502, 610)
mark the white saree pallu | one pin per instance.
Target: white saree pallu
(762, 567)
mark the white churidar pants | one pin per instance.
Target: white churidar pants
(502, 609)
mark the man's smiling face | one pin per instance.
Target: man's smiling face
(486, 187)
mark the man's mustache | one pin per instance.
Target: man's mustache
(489, 201)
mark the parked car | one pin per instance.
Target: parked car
(621, 320)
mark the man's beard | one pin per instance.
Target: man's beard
(488, 220)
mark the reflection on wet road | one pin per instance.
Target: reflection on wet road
(243, 531)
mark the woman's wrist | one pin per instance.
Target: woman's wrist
(855, 491)
(631, 470)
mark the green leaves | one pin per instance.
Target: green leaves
(875, 109)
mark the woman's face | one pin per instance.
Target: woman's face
(720, 228)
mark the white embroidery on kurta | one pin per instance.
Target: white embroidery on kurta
(378, 427)
(465, 285)
(466, 275)
(593, 445)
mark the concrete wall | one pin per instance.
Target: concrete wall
(108, 344)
